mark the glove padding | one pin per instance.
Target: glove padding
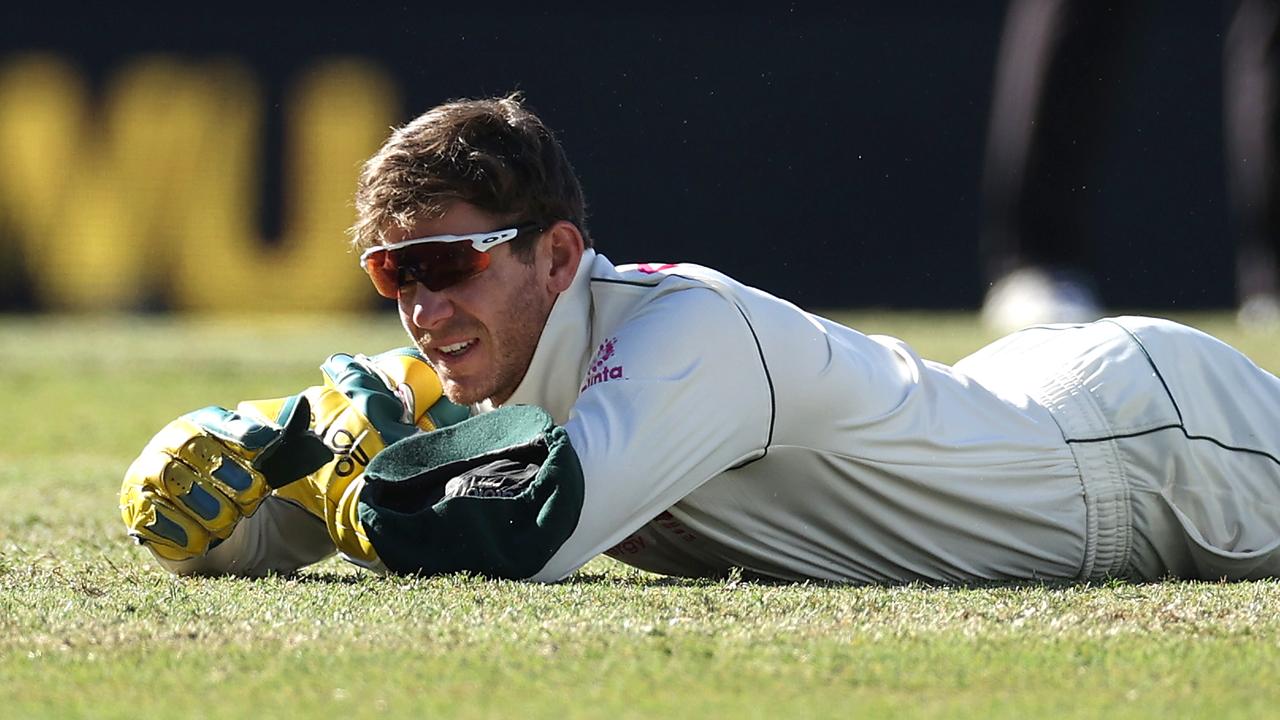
(208, 469)
(364, 405)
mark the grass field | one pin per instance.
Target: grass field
(90, 627)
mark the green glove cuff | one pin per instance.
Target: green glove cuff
(415, 526)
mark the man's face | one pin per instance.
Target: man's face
(479, 334)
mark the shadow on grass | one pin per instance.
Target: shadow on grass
(327, 577)
(736, 579)
(731, 581)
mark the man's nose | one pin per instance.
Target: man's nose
(427, 309)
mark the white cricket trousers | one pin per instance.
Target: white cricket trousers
(1176, 436)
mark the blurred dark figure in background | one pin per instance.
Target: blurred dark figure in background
(1055, 85)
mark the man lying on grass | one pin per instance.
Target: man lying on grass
(556, 407)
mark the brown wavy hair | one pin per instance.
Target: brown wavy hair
(493, 153)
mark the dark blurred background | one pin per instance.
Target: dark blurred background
(831, 154)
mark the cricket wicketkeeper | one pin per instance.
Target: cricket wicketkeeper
(556, 406)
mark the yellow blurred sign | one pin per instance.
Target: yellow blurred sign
(150, 192)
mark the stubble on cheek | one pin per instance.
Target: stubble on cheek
(515, 339)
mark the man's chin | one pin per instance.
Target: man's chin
(463, 393)
(458, 394)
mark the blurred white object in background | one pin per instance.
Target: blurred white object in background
(1037, 296)
(1260, 313)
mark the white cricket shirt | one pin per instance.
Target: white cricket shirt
(719, 426)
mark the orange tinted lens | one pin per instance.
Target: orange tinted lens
(382, 271)
(439, 265)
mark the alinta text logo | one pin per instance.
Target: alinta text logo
(600, 371)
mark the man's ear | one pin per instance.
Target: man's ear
(564, 243)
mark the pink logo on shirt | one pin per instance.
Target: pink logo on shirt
(600, 371)
(652, 268)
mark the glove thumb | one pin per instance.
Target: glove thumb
(297, 452)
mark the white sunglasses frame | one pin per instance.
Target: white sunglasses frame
(482, 242)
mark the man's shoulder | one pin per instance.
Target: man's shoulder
(682, 294)
(665, 331)
(654, 274)
(637, 284)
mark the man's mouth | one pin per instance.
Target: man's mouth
(456, 349)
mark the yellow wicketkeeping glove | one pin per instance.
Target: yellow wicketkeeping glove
(208, 469)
